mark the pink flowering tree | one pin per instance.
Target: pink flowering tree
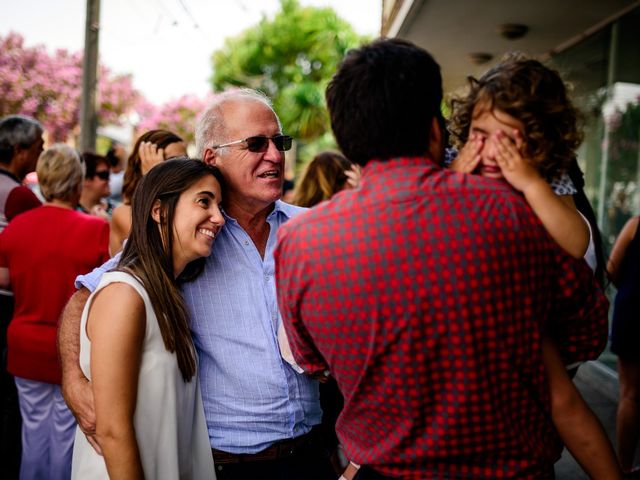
(48, 86)
(178, 116)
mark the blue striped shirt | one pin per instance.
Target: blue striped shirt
(252, 397)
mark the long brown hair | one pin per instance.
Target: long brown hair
(323, 178)
(133, 172)
(149, 258)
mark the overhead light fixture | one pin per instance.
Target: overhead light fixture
(512, 31)
(479, 58)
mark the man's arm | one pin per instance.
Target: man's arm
(76, 389)
(577, 425)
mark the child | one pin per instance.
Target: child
(517, 125)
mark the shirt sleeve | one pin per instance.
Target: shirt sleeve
(291, 284)
(579, 316)
(20, 200)
(91, 280)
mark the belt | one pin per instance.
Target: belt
(281, 449)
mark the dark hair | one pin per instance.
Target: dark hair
(17, 131)
(323, 177)
(149, 258)
(91, 161)
(382, 101)
(535, 95)
(133, 172)
(111, 155)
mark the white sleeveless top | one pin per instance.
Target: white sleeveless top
(169, 419)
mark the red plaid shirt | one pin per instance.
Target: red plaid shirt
(426, 293)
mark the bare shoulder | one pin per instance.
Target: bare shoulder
(633, 224)
(121, 293)
(117, 307)
(121, 215)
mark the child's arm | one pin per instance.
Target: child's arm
(116, 328)
(577, 425)
(558, 214)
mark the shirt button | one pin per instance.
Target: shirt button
(266, 278)
(246, 242)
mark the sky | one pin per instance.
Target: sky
(165, 44)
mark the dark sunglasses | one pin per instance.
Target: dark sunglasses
(103, 175)
(260, 143)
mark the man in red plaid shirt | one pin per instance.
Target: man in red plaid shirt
(426, 293)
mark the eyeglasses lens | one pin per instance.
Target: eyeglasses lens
(261, 144)
(104, 175)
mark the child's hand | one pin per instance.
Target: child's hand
(516, 169)
(469, 156)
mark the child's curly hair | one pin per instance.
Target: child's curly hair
(534, 94)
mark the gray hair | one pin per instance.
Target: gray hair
(17, 131)
(211, 128)
(60, 172)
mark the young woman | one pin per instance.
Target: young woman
(518, 125)
(136, 347)
(151, 148)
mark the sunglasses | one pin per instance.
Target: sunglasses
(103, 175)
(260, 143)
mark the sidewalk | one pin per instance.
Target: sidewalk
(603, 401)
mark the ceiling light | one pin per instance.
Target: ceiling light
(479, 58)
(512, 31)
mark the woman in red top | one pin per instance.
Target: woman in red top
(41, 252)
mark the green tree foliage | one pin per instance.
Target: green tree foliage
(291, 58)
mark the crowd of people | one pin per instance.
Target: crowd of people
(417, 311)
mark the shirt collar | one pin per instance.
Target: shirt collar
(377, 166)
(10, 175)
(279, 208)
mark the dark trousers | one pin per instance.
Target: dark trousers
(10, 419)
(311, 463)
(283, 469)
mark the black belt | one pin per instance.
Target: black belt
(281, 449)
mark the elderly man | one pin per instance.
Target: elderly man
(20, 145)
(260, 413)
(426, 293)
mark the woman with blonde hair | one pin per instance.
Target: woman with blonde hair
(327, 174)
(41, 253)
